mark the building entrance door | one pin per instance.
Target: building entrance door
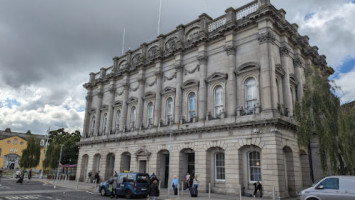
(142, 166)
(187, 163)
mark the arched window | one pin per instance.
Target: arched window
(219, 167)
(133, 116)
(250, 95)
(169, 110)
(292, 98)
(218, 101)
(92, 125)
(192, 106)
(104, 126)
(15, 141)
(150, 114)
(254, 166)
(118, 118)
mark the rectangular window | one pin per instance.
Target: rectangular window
(254, 166)
(219, 166)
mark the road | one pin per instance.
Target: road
(9, 190)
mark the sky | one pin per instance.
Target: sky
(48, 48)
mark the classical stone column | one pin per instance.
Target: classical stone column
(100, 95)
(299, 72)
(202, 94)
(140, 103)
(266, 66)
(110, 108)
(86, 128)
(123, 123)
(231, 90)
(286, 62)
(158, 103)
(178, 96)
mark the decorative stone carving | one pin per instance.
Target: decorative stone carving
(152, 83)
(230, 50)
(192, 70)
(170, 45)
(284, 51)
(297, 62)
(266, 37)
(171, 77)
(100, 94)
(202, 59)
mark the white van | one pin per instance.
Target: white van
(331, 187)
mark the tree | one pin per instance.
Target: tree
(320, 113)
(31, 155)
(70, 150)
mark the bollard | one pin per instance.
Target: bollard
(77, 183)
(159, 185)
(182, 188)
(273, 192)
(209, 190)
(178, 190)
(240, 192)
(95, 183)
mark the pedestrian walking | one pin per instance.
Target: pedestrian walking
(153, 177)
(22, 175)
(194, 187)
(18, 173)
(114, 185)
(258, 187)
(187, 181)
(153, 190)
(29, 176)
(88, 179)
(0, 175)
(97, 177)
(175, 184)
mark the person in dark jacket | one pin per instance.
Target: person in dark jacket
(29, 175)
(97, 177)
(153, 190)
(258, 187)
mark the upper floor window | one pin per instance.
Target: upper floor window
(250, 95)
(150, 114)
(15, 141)
(278, 91)
(104, 127)
(220, 166)
(254, 166)
(169, 110)
(133, 116)
(192, 106)
(218, 101)
(0, 151)
(118, 118)
(92, 124)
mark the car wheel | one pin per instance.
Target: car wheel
(103, 192)
(128, 194)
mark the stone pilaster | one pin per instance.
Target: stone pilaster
(267, 75)
(158, 103)
(123, 124)
(86, 128)
(202, 95)
(110, 108)
(231, 90)
(299, 72)
(178, 96)
(100, 95)
(201, 169)
(286, 62)
(140, 103)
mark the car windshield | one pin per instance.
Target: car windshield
(142, 178)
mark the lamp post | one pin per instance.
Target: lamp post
(60, 158)
(45, 152)
(171, 133)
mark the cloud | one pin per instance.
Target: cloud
(347, 81)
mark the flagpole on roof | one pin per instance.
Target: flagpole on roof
(124, 34)
(159, 17)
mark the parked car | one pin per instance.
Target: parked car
(331, 188)
(129, 185)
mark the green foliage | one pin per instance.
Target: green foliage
(320, 113)
(31, 155)
(70, 150)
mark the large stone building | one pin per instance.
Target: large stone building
(223, 89)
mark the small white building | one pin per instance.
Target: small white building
(224, 89)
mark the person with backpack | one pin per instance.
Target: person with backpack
(175, 184)
(153, 190)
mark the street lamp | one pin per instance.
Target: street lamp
(45, 152)
(60, 158)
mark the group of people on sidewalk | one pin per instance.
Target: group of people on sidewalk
(190, 183)
(96, 177)
(20, 175)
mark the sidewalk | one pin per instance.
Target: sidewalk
(90, 187)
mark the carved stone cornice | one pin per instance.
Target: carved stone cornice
(100, 94)
(178, 67)
(266, 37)
(230, 50)
(284, 51)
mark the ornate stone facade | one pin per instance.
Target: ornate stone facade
(224, 89)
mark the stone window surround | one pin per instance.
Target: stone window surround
(189, 87)
(248, 165)
(215, 167)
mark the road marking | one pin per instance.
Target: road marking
(89, 192)
(23, 197)
(4, 187)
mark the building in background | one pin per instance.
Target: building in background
(222, 90)
(11, 146)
